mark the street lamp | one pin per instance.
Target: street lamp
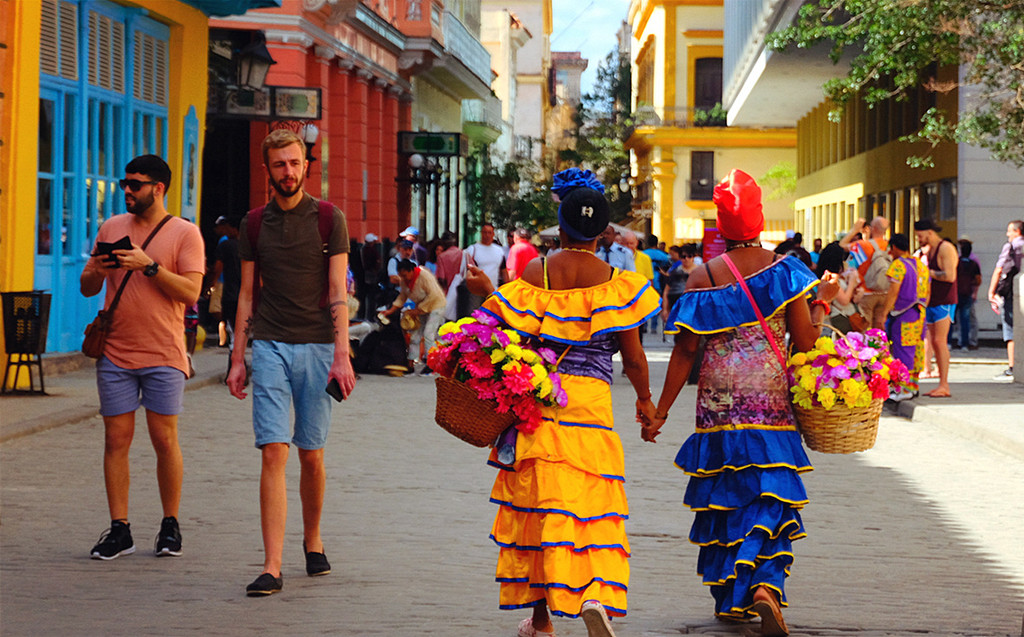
(254, 62)
(310, 133)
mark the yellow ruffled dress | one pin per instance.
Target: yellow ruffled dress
(562, 502)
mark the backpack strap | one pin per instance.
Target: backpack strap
(325, 226)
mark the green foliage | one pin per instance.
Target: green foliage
(779, 182)
(510, 196)
(895, 42)
(714, 116)
(602, 121)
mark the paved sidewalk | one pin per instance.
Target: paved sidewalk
(406, 522)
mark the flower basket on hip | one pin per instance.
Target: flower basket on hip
(488, 379)
(839, 388)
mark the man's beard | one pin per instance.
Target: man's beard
(141, 205)
(285, 193)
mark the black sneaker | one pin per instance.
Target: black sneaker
(168, 541)
(115, 542)
(265, 584)
(316, 563)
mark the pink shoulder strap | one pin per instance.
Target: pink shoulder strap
(757, 310)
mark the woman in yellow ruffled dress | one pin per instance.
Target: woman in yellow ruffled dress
(560, 526)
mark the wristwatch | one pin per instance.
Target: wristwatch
(150, 270)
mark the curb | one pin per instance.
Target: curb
(962, 428)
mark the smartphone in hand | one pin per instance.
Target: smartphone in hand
(334, 389)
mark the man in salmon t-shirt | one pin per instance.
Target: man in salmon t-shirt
(145, 351)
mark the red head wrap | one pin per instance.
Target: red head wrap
(738, 198)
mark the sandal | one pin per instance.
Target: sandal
(596, 619)
(526, 629)
(767, 607)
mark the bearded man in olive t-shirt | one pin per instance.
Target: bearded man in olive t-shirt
(299, 346)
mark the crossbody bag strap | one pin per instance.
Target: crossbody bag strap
(757, 310)
(124, 281)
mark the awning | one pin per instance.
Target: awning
(223, 8)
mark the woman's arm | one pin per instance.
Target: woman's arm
(634, 364)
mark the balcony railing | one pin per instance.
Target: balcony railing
(462, 44)
(486, 112)
(679, 117)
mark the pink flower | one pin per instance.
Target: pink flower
(520, 382)
(879, 386)
(477, 363)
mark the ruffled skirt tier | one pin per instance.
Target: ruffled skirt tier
(746, 492)
(560, 526)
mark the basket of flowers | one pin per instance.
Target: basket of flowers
(839, 388)
(488, 379)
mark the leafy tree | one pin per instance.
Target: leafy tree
(510, 195)
(779, 181)
(601, 122)
(896, 41)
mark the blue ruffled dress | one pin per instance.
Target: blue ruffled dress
(745, 457)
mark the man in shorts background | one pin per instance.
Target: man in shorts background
(942, 260)
(872, 303)
(1011, 256)
(144, 361)
(300, 343)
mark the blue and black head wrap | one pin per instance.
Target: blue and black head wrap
(583, 211)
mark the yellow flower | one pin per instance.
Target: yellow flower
(448, 328)
(827, 398)
(513, 336)
(545, 388)
(497, 355)
(833, 362)
(539, 374)
(465, 321)
(512, 367)
(808, 382)
(514, 351)
(530, 356)
(825, 344)
(851, 390)
(798, 359)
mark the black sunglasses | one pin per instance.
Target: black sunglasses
(134, 184)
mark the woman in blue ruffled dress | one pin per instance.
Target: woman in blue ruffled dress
(745, 457)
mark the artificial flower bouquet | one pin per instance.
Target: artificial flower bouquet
(839, 386)
(498, 366)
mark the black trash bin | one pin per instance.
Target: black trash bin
(26, 318)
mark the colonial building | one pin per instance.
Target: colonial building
(681, 145)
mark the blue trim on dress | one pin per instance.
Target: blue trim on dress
(717, 309)
(577, 589)
(544, 545)
(570, 514)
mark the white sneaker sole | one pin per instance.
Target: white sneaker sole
(127, 551)
(597, 622)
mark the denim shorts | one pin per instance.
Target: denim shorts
(158, 389)
(939, 312)
(287, 374)
(1007, 319)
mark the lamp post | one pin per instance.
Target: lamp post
(254, 62)
(310, 133)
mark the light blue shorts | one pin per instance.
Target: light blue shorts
(286, 374)
(158, 389)
(939, 312)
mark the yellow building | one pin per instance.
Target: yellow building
(681, 144)
(85, 87)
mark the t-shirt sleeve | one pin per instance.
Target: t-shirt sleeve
(193, 252)
(244, 249)
(896, 271)
(338, 241)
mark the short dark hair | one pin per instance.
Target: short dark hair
(900, 242)
(153, 167)
(966, 247)
(406, 265)
(1018, 224)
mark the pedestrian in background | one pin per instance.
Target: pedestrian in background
(449, 261)
(661, 263)
(144, 359)
(942, 261)
(420, 288)
(372, 259)
(905, 306)
(844, 315)
(490, 258)
(563, 550)
(612, 252)
(745, 457)
(862, 252)
(420, 254)
(968, 280)
(1008, 265)
(679, 273)
(299, 327)
(520, 253)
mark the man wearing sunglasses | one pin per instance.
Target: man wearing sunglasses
(144, 359)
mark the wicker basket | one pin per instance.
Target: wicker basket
(840, 429)
(463, 415)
